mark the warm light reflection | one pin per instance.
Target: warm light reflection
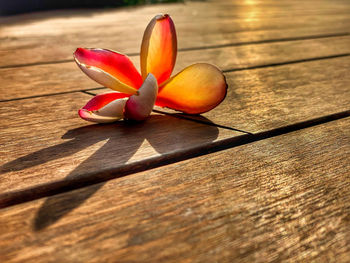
(250, 14)
(250, 2)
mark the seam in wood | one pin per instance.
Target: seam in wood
(88, 93)
(265, 41)
(287, 62)
(54, 94)
(49, 189)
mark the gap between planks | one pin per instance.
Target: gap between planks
(275, 40)
(46, 190)
(225, 71)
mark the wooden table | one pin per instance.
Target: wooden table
(264, 177)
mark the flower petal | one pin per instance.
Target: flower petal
(139, 107)
(104, 108)
(158, 49)
(109, 68)
(196, 89)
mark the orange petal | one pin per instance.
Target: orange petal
(139, 107)
(104, 108)
(158, 49)
(196, 89)
(109, 68)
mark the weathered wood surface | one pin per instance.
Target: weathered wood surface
(44, 142)
(263, 99)
(259, 100)
(64, 77)
(284, 198)
(198, 25)
(281, 199)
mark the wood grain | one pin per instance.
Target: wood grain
(274, 97)
(281, 199)
(54, 37)
(261, 100)
(45, 145)
(64, 77)
(284, 198)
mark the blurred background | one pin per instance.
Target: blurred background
(11, 7)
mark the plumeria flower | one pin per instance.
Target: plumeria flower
(196, 89)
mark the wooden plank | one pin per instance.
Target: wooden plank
(53, 38)
(281, 199)
(63, 77)
(20, 52)
(265, 99)
(45, 145)
(255, 55)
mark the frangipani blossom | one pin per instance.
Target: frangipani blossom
(196, 89)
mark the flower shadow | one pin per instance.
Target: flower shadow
(169, 136)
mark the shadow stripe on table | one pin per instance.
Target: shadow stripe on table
(225, 71)
(276, 40)
(51, 189)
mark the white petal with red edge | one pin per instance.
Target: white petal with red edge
(139, 107)
(109, 68)
(105, 108)
(105, 79)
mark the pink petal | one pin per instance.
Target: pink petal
(109, 68)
